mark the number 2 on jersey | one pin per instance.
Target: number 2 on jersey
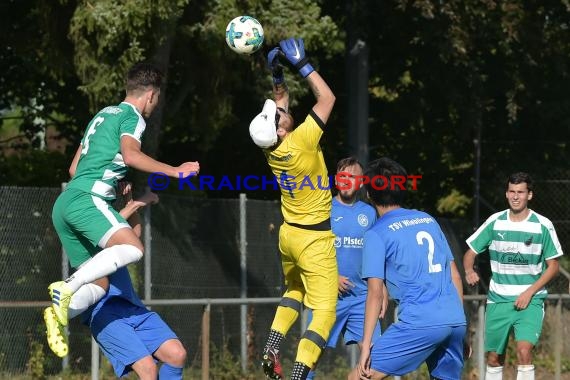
(420, 237)
(98, 121)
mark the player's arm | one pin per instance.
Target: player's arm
(281, 95)
(280, 89)
(323, 94)
(133, 206)
(552, 268)
(374, 300)
(130, 213)
(551, 250)
(471, 276)
(73, 166)
(294, 51)
(135, 158)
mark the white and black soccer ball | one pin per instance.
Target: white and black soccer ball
(244, 35)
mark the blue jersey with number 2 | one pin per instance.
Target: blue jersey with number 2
(408, 250)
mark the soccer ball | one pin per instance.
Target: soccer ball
(244, 35)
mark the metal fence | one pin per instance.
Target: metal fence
(198, 250)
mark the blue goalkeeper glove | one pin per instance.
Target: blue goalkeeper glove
(294, 51)
(275, 66)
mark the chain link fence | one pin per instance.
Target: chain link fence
(194, 246)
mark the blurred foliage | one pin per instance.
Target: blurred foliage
(36, 361)
(453, 203)
(34, 168)
(109, 36)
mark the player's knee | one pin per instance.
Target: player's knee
(173, 353)
(317, 339)
(524, 354)
(493, 360)
(291, 303)
(178, 356)
(138, 245)
(295, 290)
(323, 321)
(136, 251)
(146, 368)
(103, 283)
(128, 254)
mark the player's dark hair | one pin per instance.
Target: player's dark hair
(346, 162)
(380, 193)
(521, 177)
(142, 76)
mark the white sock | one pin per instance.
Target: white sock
(525, 372)
(84, 297)
(494, 373)
(103, 264)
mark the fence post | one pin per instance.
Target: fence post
(243, 283)
(147, 252)
(94, 359)
(206, 343)
(558, 340)
(354, 355)
(481, 340)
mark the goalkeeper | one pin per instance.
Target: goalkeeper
(306, 242)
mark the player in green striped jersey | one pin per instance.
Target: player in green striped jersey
(96, 238)
(524, 251)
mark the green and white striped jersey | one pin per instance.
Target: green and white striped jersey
(517, 251)
(101, 164)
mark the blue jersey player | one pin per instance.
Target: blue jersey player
(132, 337)
(350, 219)
(407, 249)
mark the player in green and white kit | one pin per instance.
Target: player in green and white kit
(523, 250)
(96, 238)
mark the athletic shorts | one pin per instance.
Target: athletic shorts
(309, 257)
(501, 318)
(125, 340)
(84, 224)
(349, 322)
(402, 349)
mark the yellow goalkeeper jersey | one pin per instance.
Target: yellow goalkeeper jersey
(299, 167)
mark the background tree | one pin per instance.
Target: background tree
(440, 74)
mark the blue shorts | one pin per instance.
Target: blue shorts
(349, 322)
(126, 340)
(402, 349)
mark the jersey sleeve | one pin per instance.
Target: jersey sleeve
(132, 126)
(445, 246)
(481, 239)
(551, 246)
(308, 134)
(373, 256)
